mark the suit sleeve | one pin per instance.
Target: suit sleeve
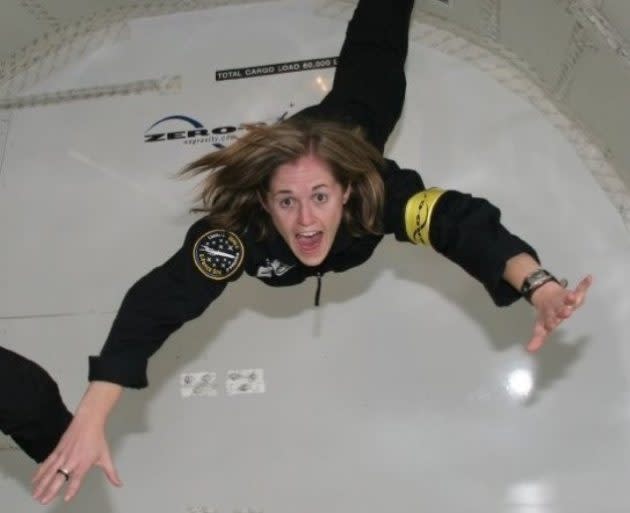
(468, 231)
(154, 307)
(31, 409)
(369, 85)
(465, 229)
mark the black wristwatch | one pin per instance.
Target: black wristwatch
(536, 280)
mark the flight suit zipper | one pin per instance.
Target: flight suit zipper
(318, 290)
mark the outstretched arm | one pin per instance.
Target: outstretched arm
(468, 231)
(156, 306)
(369, 84)
(153, 308)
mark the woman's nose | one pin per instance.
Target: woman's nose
(305, 216)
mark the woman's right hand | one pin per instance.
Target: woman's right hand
(82, 446)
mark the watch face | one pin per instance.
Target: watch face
(534, 281)
(535, 278)
(218, 254)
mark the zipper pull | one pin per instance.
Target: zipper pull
(319, 288)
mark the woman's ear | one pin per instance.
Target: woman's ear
(262, 201)
(346, 194)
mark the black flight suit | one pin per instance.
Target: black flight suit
(368, 90)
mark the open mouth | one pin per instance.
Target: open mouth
(309, 241)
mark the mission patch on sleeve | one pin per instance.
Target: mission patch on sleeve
(218, 254)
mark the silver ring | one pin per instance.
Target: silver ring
(64, 473)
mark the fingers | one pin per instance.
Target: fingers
(47, 477)
(110, 470)
(113, 477)
(76, 478)
(582, 289)
(48, 480)
(565, 312)
(41, 469)
(538, 338)
(51, 482)
(576, 297)
(55, 485)
(82, 446)
(584, 284)
(53, 460)
(573, 299)
(553, 312)
(544, 327)
(570, 299)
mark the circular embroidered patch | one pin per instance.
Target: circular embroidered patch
(218, 254)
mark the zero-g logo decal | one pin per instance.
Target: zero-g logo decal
(191, 131)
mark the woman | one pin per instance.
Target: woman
(307, 196)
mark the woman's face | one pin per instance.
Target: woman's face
(305, 203)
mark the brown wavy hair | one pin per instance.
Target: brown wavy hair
(238, 176)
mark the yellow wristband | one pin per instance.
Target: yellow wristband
(418, 212)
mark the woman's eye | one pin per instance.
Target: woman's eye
(286, 202)
(320, 197)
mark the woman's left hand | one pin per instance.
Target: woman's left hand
(554, 304)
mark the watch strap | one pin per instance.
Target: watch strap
(535, 280)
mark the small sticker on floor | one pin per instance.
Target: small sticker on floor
(198, 384)
(245, 381)
(201, 509)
